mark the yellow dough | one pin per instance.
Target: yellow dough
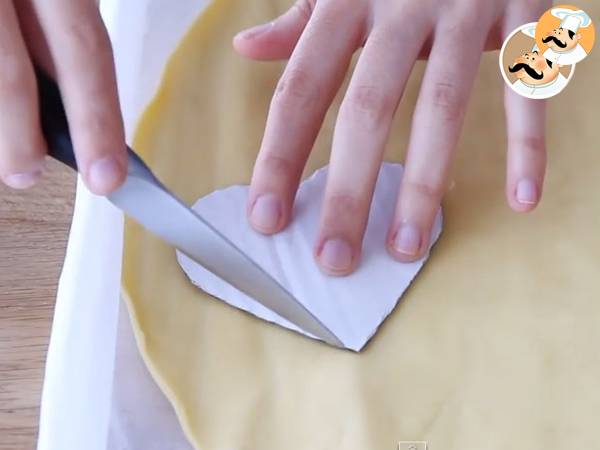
(495, 346)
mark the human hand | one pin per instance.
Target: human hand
(319, 37)
(68, 40)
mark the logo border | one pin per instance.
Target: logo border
(503, 72)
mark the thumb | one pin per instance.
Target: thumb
(277, 39)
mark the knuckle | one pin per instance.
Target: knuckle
(471, 23)
(385, 36)
(447, 100)
(97, 124)
(277, 166)
(342, 207)
(463, 19)
(368, 105)
(532, 145)
(343, 6)
(465, 24)
(275, 173)
(305, 8)
(327, 18)
(297, 89)
(431, 191)
(346, 214)
(329, 15)
(467, 21)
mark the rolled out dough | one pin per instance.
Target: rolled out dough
(496, 344)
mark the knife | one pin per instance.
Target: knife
(145, 199)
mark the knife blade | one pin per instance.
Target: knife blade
(145, 199)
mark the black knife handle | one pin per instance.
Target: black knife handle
(54, 121)
(55, 125)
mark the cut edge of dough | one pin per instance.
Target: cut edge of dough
(140, 339)
(200, 27)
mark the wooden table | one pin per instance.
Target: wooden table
(34, 227)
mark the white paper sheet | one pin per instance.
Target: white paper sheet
(94, 378)
(353, 307)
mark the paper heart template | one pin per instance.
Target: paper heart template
(353, 307)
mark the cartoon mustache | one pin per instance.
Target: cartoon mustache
(530, 71)
(556, 41)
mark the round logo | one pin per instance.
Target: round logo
(527, 70)
(565, 35)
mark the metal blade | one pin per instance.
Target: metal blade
(147, 201)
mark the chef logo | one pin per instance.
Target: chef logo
(565, 34)
(534, 69)
(538, 59)
(527, 71)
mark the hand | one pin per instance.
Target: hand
(68, 40)
(320, 37)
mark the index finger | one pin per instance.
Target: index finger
(303, 95)
(84, 66)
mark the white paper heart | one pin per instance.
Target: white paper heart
(353, 307)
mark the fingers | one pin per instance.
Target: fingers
(34, 36)
(526, 129)
(526, 158)
(276, 39)
(360, 136)
(435, 131)
(302, 97)
(22, 146)
(81, 51)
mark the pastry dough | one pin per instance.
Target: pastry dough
(494, 346)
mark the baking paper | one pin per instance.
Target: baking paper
(94, 379)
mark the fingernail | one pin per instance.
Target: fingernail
(266, 213)
(104, 175)
(253, 32)
(336, 255)
(408, 240)
(527, 192)
(23, 180)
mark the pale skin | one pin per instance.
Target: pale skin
(68, 39)
(319, 37)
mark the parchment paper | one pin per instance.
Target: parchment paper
(97, 393)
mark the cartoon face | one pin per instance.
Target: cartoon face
(561, 40)
(534, 69)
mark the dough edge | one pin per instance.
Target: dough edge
(204, 22)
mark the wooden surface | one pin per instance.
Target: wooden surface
(34, 227)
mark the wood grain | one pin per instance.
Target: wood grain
(34, 227)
